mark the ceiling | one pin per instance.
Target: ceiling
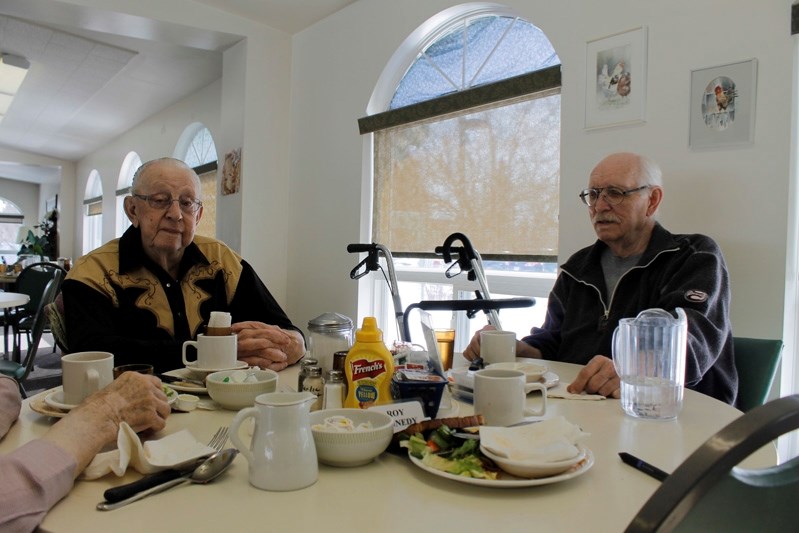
(95, 74)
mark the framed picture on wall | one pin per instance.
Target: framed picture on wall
(723, 105)
(615, 79)
(231, 172)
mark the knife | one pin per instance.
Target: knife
(172, 379)
(123, 492)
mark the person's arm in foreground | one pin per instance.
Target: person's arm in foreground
(41, 472)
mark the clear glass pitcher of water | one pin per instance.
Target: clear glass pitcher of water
(649, 356)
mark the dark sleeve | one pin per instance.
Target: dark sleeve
(547, 338)
(700, 286)
(94, 324)
(253, 301)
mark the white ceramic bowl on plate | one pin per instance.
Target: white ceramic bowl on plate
(351, 448)
(532, 371)
(232, 395)
(534, 469)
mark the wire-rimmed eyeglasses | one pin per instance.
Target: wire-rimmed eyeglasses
(164, 201)
(612, 195)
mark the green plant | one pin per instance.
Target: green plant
(44, 244)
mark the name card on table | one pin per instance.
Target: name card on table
(403, 413)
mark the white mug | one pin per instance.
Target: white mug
(501, 396)
(213, 352)
(84, 373)
(497, 346)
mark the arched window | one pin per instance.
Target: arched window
(129, 165)
(93, 213)
(466, 124)
(196, 147)
(11, 219)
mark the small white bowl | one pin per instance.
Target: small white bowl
(534, 469)
(187, 402)
(235, 396)
(352, 448)
(533, 371)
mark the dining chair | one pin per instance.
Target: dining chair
(31, 281)
(21, 370)
(55, 318)
(710, 492)
(756, 361)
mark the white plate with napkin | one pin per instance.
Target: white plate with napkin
(536, 450)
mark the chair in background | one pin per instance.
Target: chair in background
(709, 492)
(21, 371)
(31, 281)
(756, 361)
(55, 317)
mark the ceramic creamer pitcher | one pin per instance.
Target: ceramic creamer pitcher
(649, 356)
(282, 454)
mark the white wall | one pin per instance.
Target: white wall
(25, 196)
(65, 190)
(155, 137)
(739, 196)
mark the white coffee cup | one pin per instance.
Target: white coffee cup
(497, 346)
(501, 395)
(84, 373)
(213, 352)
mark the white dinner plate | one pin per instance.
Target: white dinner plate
(171, 394)
(464, 378)
(508, 481)
(184, 373)
(462, 386)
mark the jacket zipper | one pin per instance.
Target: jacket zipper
(603, 319)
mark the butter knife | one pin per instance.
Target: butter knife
(172, 379)
(123, 492)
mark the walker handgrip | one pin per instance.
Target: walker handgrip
(358, 248)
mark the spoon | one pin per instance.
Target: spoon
(206, 472)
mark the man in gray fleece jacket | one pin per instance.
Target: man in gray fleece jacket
(636, 264)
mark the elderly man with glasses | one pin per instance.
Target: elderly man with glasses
(635, 264)
(142, 295)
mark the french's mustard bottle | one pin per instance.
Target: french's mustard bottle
(369, 367)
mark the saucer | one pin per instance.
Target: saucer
(203, 371)
(56, 399)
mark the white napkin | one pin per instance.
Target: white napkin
(219, 319)
(561, 392)
(550, 440)
(152, 456)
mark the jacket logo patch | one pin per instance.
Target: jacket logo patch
(694, 295)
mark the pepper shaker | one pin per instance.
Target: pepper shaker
(314, 383)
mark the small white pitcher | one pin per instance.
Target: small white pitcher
(282, 454)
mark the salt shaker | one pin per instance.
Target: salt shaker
(334, 390)
(304, 371)
(315, 384)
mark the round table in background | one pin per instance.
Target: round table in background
(10, 300)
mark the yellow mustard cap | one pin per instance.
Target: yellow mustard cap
(369, 331)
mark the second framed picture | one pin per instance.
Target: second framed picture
(615, 85)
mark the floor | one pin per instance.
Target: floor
(46, 373)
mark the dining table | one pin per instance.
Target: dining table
(8, 279)
(8, 301)
(394, 494)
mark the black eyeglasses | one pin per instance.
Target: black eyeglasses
(612, 195)
(164, 201)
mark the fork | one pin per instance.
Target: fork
(122, 492)
(219, 439)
